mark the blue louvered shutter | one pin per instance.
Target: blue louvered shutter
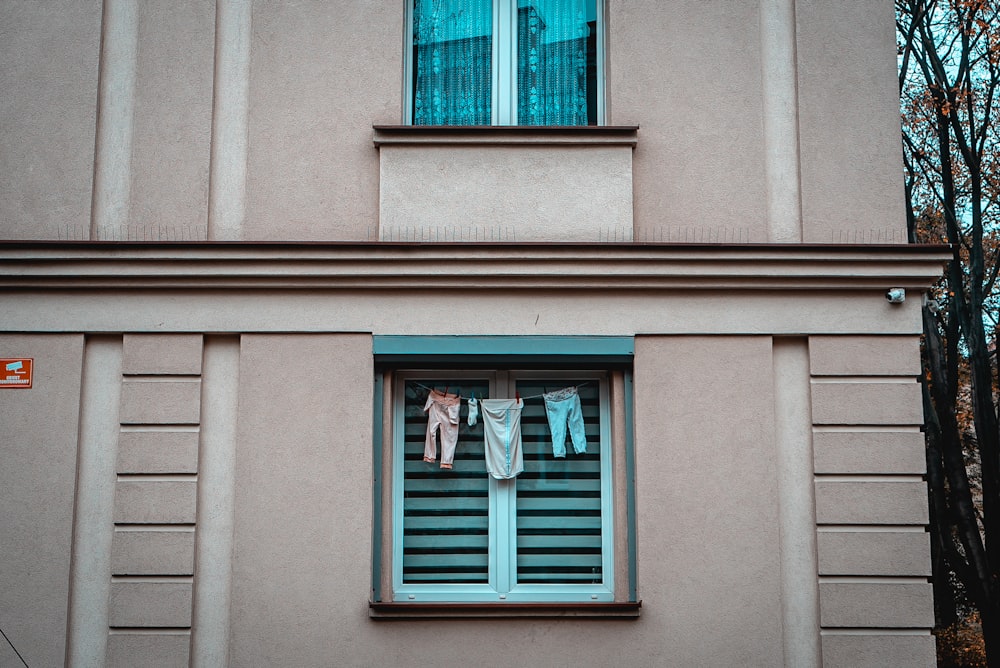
(445, 513)
(559, 501)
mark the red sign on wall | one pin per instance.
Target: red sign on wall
(15, 373)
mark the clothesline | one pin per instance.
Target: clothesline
(534, 396)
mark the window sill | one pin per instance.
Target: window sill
(398, 610)
(517, 135)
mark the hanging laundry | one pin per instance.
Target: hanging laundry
(502, 430)
(473, 411)
(442, 418)
(562, 408)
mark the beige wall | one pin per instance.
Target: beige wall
(302, 541)
(849, 122)
(316, 76)
(689, 76)
(194, 464)
(37, 489)
(298, 492)
(173, 118)
(47, 117)
(702, 481)
(321, 74)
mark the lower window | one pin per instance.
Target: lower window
(463, 534)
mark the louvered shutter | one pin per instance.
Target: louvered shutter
(445, 512)
(559, 516)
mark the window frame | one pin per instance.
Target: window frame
(504, 64)
(565, 356)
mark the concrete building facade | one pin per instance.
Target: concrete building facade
(237, 269)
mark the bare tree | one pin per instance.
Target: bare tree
(949, 56)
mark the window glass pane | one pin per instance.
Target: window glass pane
(445, 512)
(452, 56)
(559, 499)
(557, 62)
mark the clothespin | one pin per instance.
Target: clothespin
(517, 395)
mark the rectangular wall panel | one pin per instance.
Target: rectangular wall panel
(155, 502)
(867, 403)
(150, 354)
(876, 604)
(302, 528)
(160, 401)
(874, 553)
(153, 552)
(874, 452)
(49, 78)
(879, 502)
(864, 355)
(878, 651)
(150, 604)
(158, 452)
(147, 650)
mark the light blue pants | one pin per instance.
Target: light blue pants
(562, 408)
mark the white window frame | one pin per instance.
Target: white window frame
(504, 70)
(501, 586)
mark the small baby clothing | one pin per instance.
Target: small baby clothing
(442, 418)
(473, 411)
(502, 431)
(562, 408)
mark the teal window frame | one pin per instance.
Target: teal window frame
(505, 360)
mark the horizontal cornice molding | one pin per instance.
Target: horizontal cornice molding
(465, 266)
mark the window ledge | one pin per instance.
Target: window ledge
(399, 610)
(511, 135)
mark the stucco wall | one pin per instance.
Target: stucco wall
(302, 548)
(286, 577)
(689, 76)
(194, 464)
(255, 121)
(37, 488)
(705, 460)
(172, 121)
(302, 539)
(321, 74)
(852, 189)
(48, 117)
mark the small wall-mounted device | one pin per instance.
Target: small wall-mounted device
(895, 295)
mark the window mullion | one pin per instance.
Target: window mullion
(501, 507)
(505, 62)
(506, 559)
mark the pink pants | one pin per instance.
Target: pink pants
(442, 417)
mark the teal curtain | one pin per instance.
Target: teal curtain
(452, 54)
(556, 75)
(556, 62)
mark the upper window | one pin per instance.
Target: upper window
(504, 62)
